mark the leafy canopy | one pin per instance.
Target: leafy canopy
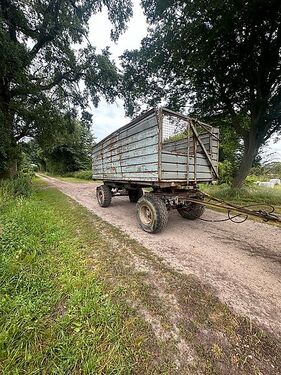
(48, 68)
(220, 57)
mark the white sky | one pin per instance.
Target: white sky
(109, 117)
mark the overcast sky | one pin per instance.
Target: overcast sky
(109, 117)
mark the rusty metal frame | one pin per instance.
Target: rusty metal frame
(187, 157)
(196, 196)
(267, 216)
(204, 149)
(159, 116)
(190, 122)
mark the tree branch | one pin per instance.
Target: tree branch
(44, 38)
(38, 88)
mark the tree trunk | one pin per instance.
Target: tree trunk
(8, 145)
(250, 152)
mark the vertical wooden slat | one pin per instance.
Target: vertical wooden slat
(195, 158)
(160, 141)
(187, 162)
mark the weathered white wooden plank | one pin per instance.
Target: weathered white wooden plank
(144, 160)
(137, 141)
(151, 167)
(172, 167)
(126, 176)
(142, 128)
(173, 176)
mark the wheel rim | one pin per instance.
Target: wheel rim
(146, 215)
(100, 196)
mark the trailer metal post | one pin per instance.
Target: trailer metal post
(187, 161)
(160, 141)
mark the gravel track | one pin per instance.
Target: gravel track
(241, 262)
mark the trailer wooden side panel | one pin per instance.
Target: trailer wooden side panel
(130, 154)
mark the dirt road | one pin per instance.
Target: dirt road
(241, 262)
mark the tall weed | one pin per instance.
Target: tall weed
(19, 186)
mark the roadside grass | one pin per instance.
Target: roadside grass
(81, 297)
(56, 315)
(78, 176)
(73, 179)
(247, 195)
(66, 178)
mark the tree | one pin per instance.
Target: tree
(71, 152)
(49, 69)
(222, 57)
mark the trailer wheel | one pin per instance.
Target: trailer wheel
(152, 213)
(191, 210)
(104, 195)
(135, 194)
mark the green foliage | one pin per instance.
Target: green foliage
(19, 186)
(83, 175)
(56, 315)
(225, 172)
(71, 151)
(223, 57)
(49, 70)
(273, 168)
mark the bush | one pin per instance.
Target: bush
(83, 174)
(226, 171)
(19, 186)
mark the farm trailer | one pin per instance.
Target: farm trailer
(164, 151)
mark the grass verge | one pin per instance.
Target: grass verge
(248, 195)
(56, 315)
(81, 297)
(78, 176)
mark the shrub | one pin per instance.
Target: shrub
(19, 186)
(226, 171)
(83, 174)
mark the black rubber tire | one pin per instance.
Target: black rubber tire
(104, 195)
(152, 213)
(135, 194)
(191, 211)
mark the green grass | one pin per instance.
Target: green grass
(68, 280)
(66, 179)
(246, 195)
(80, 175)
(73, 179)
(56, 315)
